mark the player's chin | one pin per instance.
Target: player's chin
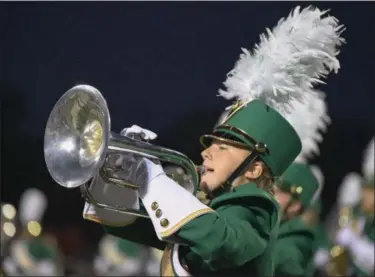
(207, 185)
(203, 186)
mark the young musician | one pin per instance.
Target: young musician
(358, 234)
(235, 233)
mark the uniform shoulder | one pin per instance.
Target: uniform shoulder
(244, 192)
(261, 203)
(297, 226)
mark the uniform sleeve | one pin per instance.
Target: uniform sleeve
(225, 239)
(140, 231)
(126, 226)
(293, 254)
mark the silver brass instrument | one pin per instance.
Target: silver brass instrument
(338, 265)
(79, 146)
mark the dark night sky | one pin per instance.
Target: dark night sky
(159, 65)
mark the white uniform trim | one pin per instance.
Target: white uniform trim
(169, 205)
(178, 269)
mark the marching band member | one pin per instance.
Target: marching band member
(235, 233)
(312, 217)
(334, 261)
(321, 243)
(298, 193)
(118, 257)
(322, 255)
(295, 242)
(33, 253)
(358, 235)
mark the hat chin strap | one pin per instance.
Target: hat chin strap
(227, 185)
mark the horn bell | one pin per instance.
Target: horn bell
(76, 136)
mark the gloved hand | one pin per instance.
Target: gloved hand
(345, 236)
(145, 172)
(362, 251)
(136, 130)
(178, 174)
(321, 257)
(125, 163)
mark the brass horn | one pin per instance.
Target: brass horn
(339, 262)
(79, 146)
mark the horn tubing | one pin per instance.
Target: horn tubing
(93, 101)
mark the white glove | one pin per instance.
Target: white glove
(135, 129)
(128, 161)
(345, 236)
(145, 172)
(321, 257)
(362, 251)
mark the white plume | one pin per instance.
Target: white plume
(320, 177)
(310, 120)
(33, 204)
(317, 173)
(288, 61)
(349, 192)
(368, 161)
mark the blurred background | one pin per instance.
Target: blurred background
(159, 65)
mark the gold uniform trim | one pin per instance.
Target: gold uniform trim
(237, 130)
(166, 268)
(185, 220)
(97, 219)
(259, 147)
(238, 105)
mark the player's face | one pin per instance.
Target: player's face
(220, 160)
(282, 197)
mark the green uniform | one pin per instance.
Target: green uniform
(357, 236)
(322, 239)
(321, 263)
(295, 245)
(358, 261)
(237, 238)
(235, 233)
(361, 249)
(294, 248)
(321, 248)
(33, 256)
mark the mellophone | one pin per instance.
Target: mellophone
(79, 146)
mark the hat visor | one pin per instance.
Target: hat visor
(206, 141)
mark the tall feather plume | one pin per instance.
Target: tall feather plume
(320, 177)
(288, 61)
(310, 119)
(32, 206)
(349, 192)
(368, 161)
